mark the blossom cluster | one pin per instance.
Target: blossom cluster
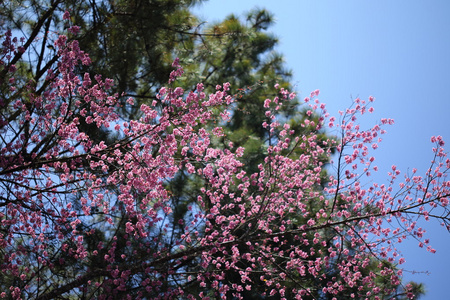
(96, 213)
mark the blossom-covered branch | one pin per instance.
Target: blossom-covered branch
(85, 217)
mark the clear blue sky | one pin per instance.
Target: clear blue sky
(398, 52)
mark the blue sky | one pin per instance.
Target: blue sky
(396, 51)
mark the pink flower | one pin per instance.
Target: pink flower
(74, 29)
(66, 15)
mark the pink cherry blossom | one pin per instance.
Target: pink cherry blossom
(69, 200)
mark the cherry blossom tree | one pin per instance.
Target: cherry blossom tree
(90, 219)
